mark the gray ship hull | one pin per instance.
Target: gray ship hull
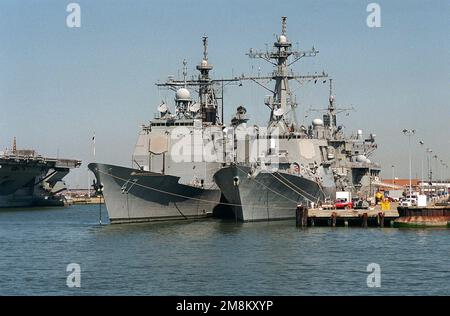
(133, 195)
(263, 197)
(16, 185)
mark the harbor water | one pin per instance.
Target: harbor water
(213, 257)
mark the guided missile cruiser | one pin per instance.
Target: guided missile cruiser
(171, 177)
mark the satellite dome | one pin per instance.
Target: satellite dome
(183, 94)
(204, 63)
(317, 122)
(282, 39)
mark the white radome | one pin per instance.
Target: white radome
(362, 158)
(183, 94)
(317, 122)
(282, 39)
(278, 112)
(204, 63)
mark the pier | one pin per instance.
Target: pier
(373, 217)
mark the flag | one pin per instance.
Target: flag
(93, 144)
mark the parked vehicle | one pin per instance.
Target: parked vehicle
(409, 202)
(343, 204)
(360, 204)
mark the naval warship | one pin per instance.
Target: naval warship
(275, 170)
(311, 164)
(28, 179)
(349, 156)
(171, 177)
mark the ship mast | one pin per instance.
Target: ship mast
(208, 101)
(205, 86)
(331, 112)
(282, 103)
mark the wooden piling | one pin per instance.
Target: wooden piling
(364, 220)
(333, 219)
(301, 216)
(381, 219)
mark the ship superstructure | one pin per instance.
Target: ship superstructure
(348, 155)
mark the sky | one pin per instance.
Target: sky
(58, 84)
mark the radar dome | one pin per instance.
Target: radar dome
(282, 39)
(317, 122)
(204, 63)
(183, 94)
(362, 158)
(278, 112)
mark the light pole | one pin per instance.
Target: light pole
(430, 173)
(421, 168)
(436, 175)
(436, 166)
(409, 133)
(393, 174)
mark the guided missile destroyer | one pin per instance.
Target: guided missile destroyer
(295, 165)
(268, 180)
(171, 177)
(28, 179)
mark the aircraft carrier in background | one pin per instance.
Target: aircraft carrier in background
(28, 179)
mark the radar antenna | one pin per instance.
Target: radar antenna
(283, 102)
(208, 93)
(331, 111)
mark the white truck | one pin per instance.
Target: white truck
(343, 195)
